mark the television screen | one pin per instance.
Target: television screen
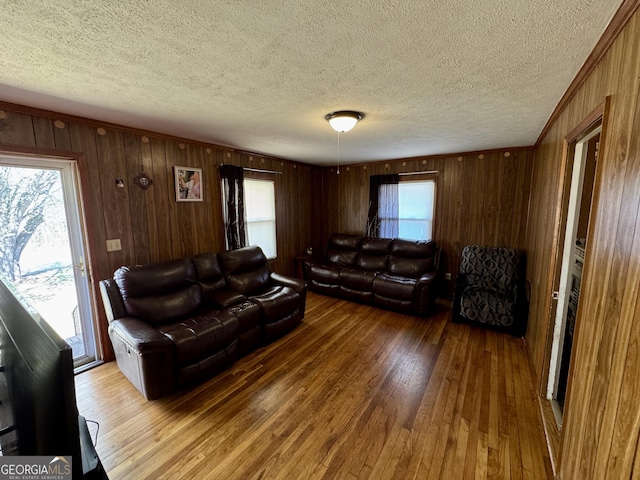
(38, 412)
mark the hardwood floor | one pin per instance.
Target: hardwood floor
(354, 392)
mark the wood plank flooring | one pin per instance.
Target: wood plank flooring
(353, 393)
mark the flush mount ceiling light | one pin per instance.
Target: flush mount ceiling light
(344, 120)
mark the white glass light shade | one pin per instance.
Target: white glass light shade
(343, 121)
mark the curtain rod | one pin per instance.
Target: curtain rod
(256, 170)
(433, 172)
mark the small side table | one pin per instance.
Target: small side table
(297, 264)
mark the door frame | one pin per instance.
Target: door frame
(88, 224)
(578, 150)
(600, 113)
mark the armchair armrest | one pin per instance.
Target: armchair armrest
(461, 280)
(461, 283)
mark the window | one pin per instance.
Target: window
(260, 207)
(415, 209)
(405, 209)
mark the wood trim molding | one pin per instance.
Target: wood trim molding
(596, 115)
(26, 110)
(19, 150)
(432, 157)
(618, 22)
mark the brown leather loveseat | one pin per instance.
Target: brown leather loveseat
(390, 273)
(177, 322)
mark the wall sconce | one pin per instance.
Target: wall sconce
(119, 183)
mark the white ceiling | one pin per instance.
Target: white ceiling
(431, 76)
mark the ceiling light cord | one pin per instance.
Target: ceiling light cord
(338, 170)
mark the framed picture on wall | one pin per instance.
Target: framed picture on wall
(188, 182)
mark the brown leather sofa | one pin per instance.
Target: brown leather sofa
(389, 273)
(177, 322)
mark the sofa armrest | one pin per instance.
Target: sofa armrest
(226, 297)
(309, 262)
(112, 300)
(144, 356)
(140, 336)
(425, 292)
(298, 285)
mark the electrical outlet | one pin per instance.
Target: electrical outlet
(447, 276)
(114, 245)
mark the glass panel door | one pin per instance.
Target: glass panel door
(42, 246)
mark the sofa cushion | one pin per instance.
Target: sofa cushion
(164, 308)
(393, 303)
(328, 274)
(155, 278)
(208, 272)
(409, 267)
(412, 258)
(357, 279)
(376, 246)
(357, 295)
(246, 269)
(488, 305)
(160, 292)
(277, 302)
(344, 241)
(393, 286)
(199, 336)
(342, 249)
(491, 267)
(373, 254)
(413, 249)
(341, 257)
(377, 263)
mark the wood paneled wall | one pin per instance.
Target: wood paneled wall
(481, 198)
(151, 225)
(479, 201)
(602, 415)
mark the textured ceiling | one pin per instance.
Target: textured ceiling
(431, 76)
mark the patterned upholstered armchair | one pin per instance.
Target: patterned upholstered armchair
(490, 289)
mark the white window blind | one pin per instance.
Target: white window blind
(415, 207)
(260, 207)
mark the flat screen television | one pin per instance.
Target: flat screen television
(38, 411)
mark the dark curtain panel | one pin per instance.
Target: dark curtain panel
(383, 206)
(234, 213)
